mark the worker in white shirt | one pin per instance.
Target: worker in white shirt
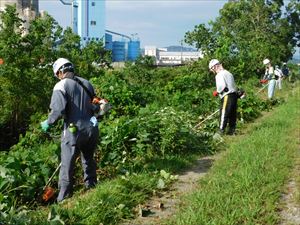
(270, 76)
(227, 91)
(278, 77)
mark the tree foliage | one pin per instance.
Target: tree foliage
(246, 32)
(293, 15)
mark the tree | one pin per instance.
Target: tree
(293, 16)
(245, 33)
(24, 80)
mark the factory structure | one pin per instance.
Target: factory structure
(88, 21)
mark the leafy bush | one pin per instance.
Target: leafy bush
(126, 141)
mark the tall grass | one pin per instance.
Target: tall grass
(245, 185)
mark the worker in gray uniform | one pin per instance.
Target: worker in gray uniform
(227, 91)
(71, 101)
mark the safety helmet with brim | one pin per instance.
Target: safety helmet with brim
(61, 64)
(212, 63)
(266, 61)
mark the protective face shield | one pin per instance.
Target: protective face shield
(266, 61)
(212, 63)
(58, 64)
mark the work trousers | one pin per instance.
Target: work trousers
(271, 88)
(279, 83)
(83, 143)
(228, 112)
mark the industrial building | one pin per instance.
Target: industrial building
(124, 47)
(27, 9)
(88, 21)
(165, 57)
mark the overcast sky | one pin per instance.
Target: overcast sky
(157, 22)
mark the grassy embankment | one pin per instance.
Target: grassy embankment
(245, 185)
(114, 199)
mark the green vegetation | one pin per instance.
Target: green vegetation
(245, 185)
(150, 127)
(246, 32)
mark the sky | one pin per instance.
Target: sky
(159, 23)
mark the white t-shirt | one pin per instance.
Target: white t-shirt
(224, 79)
(278, 72)
(269, 74)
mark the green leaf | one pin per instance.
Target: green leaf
(161, 184)
(164, 174)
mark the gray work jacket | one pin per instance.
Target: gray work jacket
(71, 102)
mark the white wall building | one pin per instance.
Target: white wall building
(171, 58)
(151, 51)
(178, 57)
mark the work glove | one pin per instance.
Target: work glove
(215, 93)
(45, 126)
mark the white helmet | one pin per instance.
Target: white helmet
(59, 63)
(212, 63)
(266, 61)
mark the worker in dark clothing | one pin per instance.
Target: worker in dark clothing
(227, 91)
(71, 101)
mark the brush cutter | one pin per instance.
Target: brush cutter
(48, 192)
(260, 90)
(207, 118)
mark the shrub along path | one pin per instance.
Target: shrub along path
(246, 181)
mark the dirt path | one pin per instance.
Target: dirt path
(163, 206)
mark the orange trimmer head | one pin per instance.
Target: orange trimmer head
(49, 192)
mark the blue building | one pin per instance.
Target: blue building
(133, 51)
(89, 19)
(108, 42)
